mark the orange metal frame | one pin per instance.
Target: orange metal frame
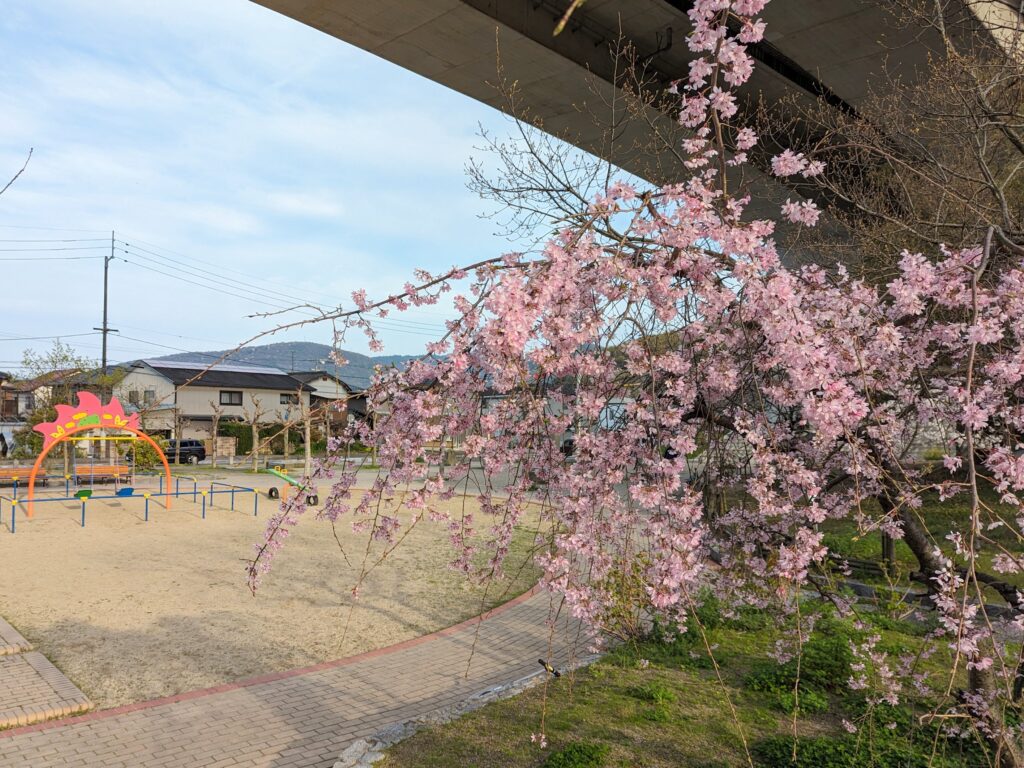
(69, 433)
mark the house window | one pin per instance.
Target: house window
(230, 398)
(289, 399)
(133, 397)
(149, 397)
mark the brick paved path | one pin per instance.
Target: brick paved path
(31, 688)
(305, 717)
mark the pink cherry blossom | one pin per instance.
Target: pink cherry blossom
(686, 356)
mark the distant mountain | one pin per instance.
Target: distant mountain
(300, 356)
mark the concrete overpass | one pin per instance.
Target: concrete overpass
(835, 49)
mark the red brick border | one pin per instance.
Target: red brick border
(270, 677)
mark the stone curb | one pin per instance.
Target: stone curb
(65, 699)
(364, 753)
(11, 640)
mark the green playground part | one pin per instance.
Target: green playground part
(283, 476)
(312, 500)
(85, 493)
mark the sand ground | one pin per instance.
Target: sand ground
(132, 610)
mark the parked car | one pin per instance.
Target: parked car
(190, 451)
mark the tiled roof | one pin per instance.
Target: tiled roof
(226, 376)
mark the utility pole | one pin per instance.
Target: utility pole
(104, 394)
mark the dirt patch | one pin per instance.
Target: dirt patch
(133, 610)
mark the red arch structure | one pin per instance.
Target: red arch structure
(90, 414)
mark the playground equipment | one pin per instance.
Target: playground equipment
(205, 498)
(273, 493)
(91, 415)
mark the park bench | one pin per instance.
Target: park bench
(101, 472)
(9, 474)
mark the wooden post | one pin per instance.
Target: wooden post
(888, 551)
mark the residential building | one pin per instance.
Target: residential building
(8, 399)
(180, 399)
(47, 388)
(333, 396)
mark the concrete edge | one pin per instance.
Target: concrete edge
(366, 752)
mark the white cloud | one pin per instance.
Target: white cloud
(239, 138)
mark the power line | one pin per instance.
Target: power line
(263, 288)
(47, 250)
(193, 270)
(175, 335)
(215, 288)
(221, 280)
(228, 269)
(163, 346)
(48, 258)
(275, 297)
(73, 240)
(50, 229)
(5, 337)
(389, 325)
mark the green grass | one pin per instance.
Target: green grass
(659, 703)
(843, 538)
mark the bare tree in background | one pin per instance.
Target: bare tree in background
(14, 178)
(927, 161)
(254, 419)
(307, 433)
(217, 412)
(181, 423)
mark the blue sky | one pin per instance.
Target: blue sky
(220, 136)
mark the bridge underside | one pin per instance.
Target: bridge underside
(836, 49)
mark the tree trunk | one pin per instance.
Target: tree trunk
(214, 429)
(1009, 752)
(307, 438)
(914, 534)
(255, 447)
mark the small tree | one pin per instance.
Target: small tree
(307, 432)
(181, 423)
(254, 418)
(144, 456)
(56, 371)
(216, 411)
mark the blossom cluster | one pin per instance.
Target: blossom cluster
(721, 406)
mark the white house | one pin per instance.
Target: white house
(331, 390)
(168, 392)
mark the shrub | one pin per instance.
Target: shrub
(821, 752)
(658, 714)
(580, 754)
(827, 657)
(748, 619)
(654, 691)
(810, 701)
(145, 456)
(887, 749)
(670, 643)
